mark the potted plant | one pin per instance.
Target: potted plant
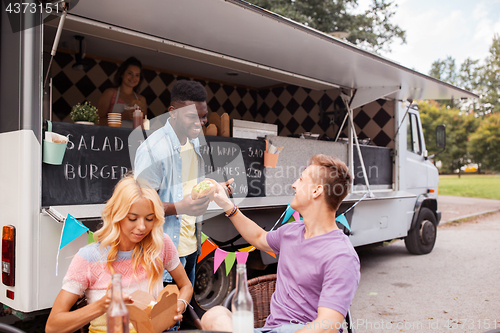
(84, 114)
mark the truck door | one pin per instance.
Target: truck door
(416, 166)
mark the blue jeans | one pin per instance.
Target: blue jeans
(285, 328)
(189, 263)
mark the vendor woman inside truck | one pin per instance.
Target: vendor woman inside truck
(124, 96)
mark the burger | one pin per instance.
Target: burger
(206, 188)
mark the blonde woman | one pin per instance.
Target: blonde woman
(130, 242)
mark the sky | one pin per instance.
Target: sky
(436, 29)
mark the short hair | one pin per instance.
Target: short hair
(334, 176)
(147, 252)
(186, 90)
(132, 61)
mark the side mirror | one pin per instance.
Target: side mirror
(441, 137)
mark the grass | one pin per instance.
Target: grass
(470, 185)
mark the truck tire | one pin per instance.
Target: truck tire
(422, 237)
(211, 289)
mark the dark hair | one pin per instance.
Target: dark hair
(132, 61)
(185, 90)
(334, 176)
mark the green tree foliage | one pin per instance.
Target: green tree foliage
(444, 70)
(484, 143)
(459, 126)
(371, 30)
(492, 77)
(484, 80)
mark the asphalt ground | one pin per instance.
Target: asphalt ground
(454, 208)
(455, 288)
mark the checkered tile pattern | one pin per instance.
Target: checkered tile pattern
(74, 86)
(294, 109)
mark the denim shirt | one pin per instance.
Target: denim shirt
(158, 160)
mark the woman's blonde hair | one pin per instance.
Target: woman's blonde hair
(147, 252)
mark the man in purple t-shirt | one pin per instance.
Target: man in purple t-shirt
(318, 269)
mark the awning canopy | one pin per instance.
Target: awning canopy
(213, 37)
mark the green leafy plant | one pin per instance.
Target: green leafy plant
(85, 112)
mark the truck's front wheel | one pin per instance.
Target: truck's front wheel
(211, 289)
(422, 237)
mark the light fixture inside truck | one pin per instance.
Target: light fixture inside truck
(8, 255)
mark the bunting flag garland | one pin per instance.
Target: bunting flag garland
(342, 220)
(230, 258)
(206, 248)
(203, 238)
(72, 229)
(91, 237)
(241, 257)
(289, 215)
(219, 257)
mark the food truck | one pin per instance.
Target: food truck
(299, 88)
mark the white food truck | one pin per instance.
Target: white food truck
(300, 88)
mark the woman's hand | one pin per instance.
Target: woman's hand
(181, 308)
(139, 103)
(221, 197)
(127, 114)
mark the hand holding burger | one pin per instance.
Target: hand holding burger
(205, 188)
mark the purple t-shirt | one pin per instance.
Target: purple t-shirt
(319, 271)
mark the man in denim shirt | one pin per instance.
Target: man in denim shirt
(171, 162)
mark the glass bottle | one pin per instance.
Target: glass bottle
(117, 320)
(242, 304)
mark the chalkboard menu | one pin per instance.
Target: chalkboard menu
(97, 157)
(241, 159)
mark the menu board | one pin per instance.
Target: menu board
(240, 159)
(97, 157)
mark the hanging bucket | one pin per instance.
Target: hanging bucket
(54, 147)
(270, 160)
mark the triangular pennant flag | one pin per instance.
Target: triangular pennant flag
(206, 248)
(241, 257)
(72, 229)
(247, 249)
(342, 220)
(288, 214)
(271, 254)
(91, 237)
(230, 258)
(203, 238)
(296, 215)
(219, 257)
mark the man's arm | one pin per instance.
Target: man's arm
(247, 228)
(328, 320)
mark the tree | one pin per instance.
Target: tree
(483, 80)
(491, 98)
(484, 144)
(444, 70)
(371, 30)
(459, 126)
